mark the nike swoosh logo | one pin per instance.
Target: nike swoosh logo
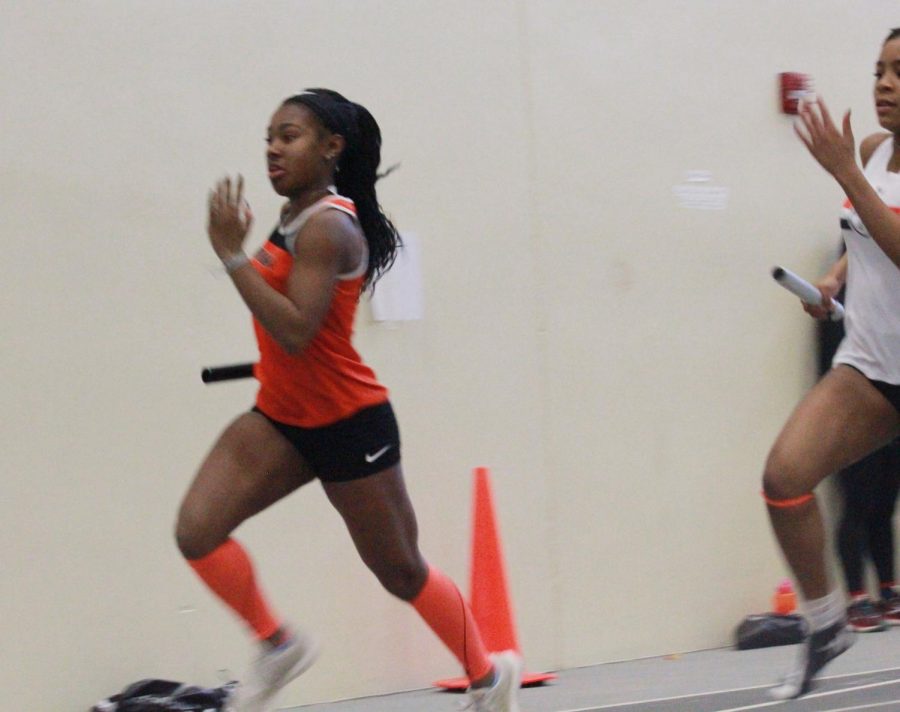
(375, 455)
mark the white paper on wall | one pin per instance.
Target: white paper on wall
(695, 194)
(398, 294)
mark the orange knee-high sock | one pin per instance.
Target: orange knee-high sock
(445, 611)
(228, 572)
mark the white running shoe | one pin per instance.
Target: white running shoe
(503, 695)
(813, 654)
(272, 670)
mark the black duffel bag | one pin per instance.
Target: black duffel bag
(765, 630)
(154, 695)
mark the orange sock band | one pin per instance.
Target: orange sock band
(787, 503)
(443, 608)
(229, 573)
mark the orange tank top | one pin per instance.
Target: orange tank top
(327, 381)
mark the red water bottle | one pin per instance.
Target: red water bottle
(785, 600)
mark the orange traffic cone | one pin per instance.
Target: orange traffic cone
(488, 595)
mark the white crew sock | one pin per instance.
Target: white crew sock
(824, 612)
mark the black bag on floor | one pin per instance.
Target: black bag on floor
(766, 630)
(166, 696)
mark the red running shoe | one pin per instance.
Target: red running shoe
(890, 609)
(864, 616)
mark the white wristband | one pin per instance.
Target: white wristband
(235, 261)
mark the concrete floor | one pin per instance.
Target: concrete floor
(866, 677)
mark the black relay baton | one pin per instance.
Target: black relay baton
(213, 374)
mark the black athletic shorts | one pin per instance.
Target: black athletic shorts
(890, 391)
(365, 443)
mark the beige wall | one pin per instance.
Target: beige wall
(620, 362)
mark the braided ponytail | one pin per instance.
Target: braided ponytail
(357, 172)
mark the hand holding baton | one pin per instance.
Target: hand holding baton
(806, 291)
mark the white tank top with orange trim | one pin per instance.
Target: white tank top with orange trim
(872, 319)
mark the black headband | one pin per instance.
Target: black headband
(338, 116)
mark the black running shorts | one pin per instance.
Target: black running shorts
(889, 391)
(365, 443)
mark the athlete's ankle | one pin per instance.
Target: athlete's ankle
(278, 638)
(485, 681)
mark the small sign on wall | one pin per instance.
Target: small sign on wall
(695, 193)
(398, 294)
